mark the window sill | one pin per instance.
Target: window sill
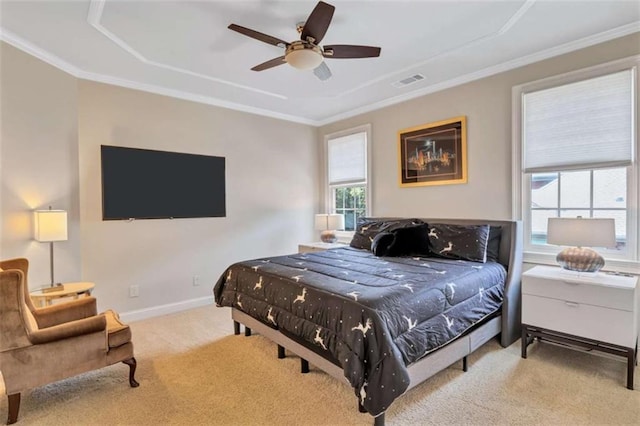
(611, 265)
(345, 236)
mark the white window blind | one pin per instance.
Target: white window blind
(586, 124)
(347, 159)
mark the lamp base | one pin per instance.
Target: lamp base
(328, 237)
(55, 287)
(580, 259)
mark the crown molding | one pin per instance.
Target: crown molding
(487, 72)
(51, 59)
(19, 43)
(55, 61)
(94, 18)
(179, 94)
(517, 15)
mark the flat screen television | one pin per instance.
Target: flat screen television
(148, 184)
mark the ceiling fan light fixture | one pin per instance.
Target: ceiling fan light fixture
(303, 56)
(306, 53)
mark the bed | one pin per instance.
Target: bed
(385, 321)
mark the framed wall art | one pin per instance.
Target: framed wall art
(434, 153)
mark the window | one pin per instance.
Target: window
(574, 144)
(599, 193)
(347, 174)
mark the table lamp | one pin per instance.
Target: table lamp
(49, 226)
(328, 224)
(580, 234)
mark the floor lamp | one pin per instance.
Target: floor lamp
(49, 226)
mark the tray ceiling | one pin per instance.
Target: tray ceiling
(184, 49)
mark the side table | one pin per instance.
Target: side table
(596, 312)
(318, 246)
(70, 290)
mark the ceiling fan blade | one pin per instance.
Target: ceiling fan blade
(269, 64)
(258, 35)
(322, 71)
(318, 22)
(345, 51)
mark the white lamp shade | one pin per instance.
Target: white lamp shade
(50, 225)
(329, 222)
(581, 232)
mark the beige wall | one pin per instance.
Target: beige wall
(39, 162)
(487, 105)
(52, 126)
(271, 169)
(52, 129)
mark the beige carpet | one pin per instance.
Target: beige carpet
(193, 371)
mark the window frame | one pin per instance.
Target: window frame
(328, 202)
(521, 196)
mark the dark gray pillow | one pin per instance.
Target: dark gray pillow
(410, 240)
(468, 242)
(368, 227)
(381, 244)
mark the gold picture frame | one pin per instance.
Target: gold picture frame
(434, 153)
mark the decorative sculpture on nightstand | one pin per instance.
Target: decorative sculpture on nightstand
(581, 233)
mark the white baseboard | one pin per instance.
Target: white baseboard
(170, 308)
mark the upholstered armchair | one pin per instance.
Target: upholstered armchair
(40, 346)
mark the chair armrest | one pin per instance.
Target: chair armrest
(69, 329)
(65, 312)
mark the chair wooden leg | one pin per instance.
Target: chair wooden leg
(14, 408)
(131, 362)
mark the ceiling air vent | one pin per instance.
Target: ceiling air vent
(407, 81)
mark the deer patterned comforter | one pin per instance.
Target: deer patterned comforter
(374, 315)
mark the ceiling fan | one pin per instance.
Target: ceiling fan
(307, 53)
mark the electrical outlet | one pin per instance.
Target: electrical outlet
(134, 291)
(196, 280)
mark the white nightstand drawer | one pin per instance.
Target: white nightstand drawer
(579, 319)
(580, 292)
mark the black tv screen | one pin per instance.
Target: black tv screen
(148, 184)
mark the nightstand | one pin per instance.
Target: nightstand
(318, 246)
(593, 311)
